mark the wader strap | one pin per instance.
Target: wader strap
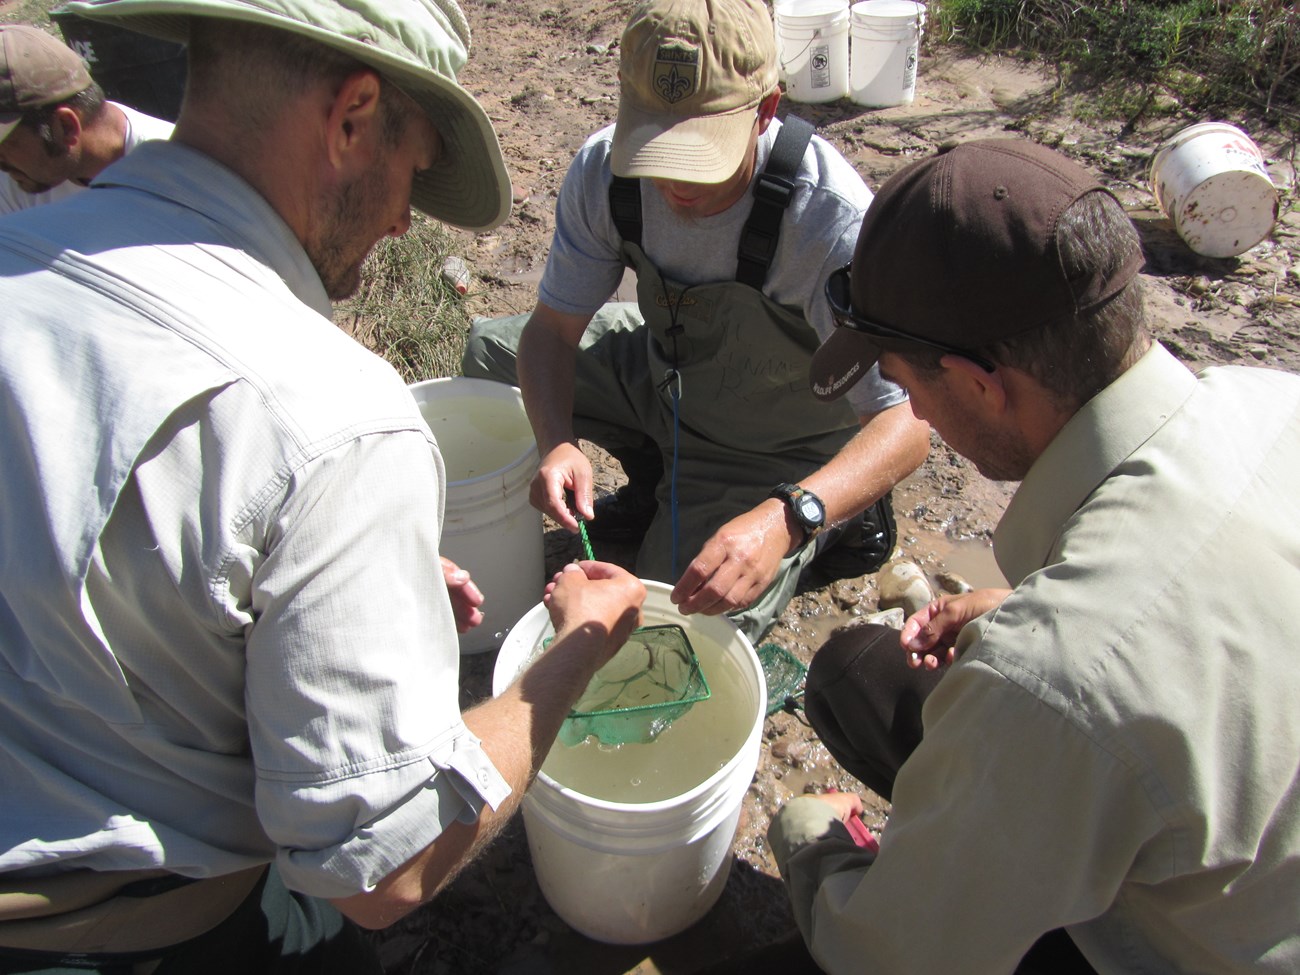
(773, 191)
(117, 912)
(625, 208)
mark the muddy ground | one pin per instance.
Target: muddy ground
(545, 70)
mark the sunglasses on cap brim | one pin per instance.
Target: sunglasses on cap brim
(839, 297)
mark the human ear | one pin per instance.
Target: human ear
(767, 110)
(989, 387)
(65, 126)
(353, 122)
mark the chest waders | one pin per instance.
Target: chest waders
(730, 365)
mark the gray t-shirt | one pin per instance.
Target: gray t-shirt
(818, 236)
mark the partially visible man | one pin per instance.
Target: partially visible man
(739, 478)
(226, 638)
(57, 130)
(1104, 774)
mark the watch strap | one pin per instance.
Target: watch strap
(795, 497)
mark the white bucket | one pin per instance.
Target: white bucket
(886, 44)
(631, 872)
(1210, 180)
(812, 43)
(488, 528)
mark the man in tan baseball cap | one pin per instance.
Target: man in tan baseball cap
(57, 130)
(694, 77)
(740, 480)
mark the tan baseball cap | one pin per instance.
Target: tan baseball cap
(692, 74)
(418, 45)
(36, 70)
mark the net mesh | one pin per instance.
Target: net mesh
(784, 673)
(652, 681)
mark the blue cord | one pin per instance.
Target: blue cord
(673, 379)
(672, 480)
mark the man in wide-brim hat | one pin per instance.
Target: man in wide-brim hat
(228, 639)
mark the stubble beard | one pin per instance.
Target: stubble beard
(338, 255)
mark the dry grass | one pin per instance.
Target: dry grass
(404, 310)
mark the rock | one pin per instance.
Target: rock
(791, 752)
(1259, 351)
(844, 596)
(798, 753)
(951, 582)
(890, 617)
(903, 584)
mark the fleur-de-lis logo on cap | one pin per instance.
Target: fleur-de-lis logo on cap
(676, 72)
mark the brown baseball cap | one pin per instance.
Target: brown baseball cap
(960, 251)
(36, 70)
(692, 74)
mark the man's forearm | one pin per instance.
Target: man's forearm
(890, 445)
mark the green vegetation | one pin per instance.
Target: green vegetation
(1232, 57)
(404, 310)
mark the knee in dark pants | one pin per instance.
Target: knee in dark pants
(864, 702)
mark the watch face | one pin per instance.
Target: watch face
(810, 511)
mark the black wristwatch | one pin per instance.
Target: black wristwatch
(806, 507)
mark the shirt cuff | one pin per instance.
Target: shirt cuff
(459, 783)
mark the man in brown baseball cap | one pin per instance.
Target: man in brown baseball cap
(57, 130)
(741, 482)
(1095, 769)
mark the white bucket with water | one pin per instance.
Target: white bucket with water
(632, 844)
(812, 44)
(488, 527)
(885, 40)
(1211, 181)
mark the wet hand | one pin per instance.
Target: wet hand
(564, 474)
(845, 804)
(848, 810)
(929, 637)
(735, 566)
(596, 597)
(466, 598)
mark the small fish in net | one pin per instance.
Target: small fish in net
(654, 679)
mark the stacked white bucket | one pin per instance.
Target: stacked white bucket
(488, 526)
(867, 51)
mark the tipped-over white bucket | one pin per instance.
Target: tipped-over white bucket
(624, 870)
(885, 40)
(488, 527)
(812, 43)
(1211, 181)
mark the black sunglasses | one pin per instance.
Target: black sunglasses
(839, 297)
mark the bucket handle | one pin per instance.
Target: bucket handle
(816, 35)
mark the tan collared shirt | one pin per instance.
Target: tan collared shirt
(1116, 749)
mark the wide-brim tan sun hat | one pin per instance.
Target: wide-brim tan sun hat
(417, 45)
